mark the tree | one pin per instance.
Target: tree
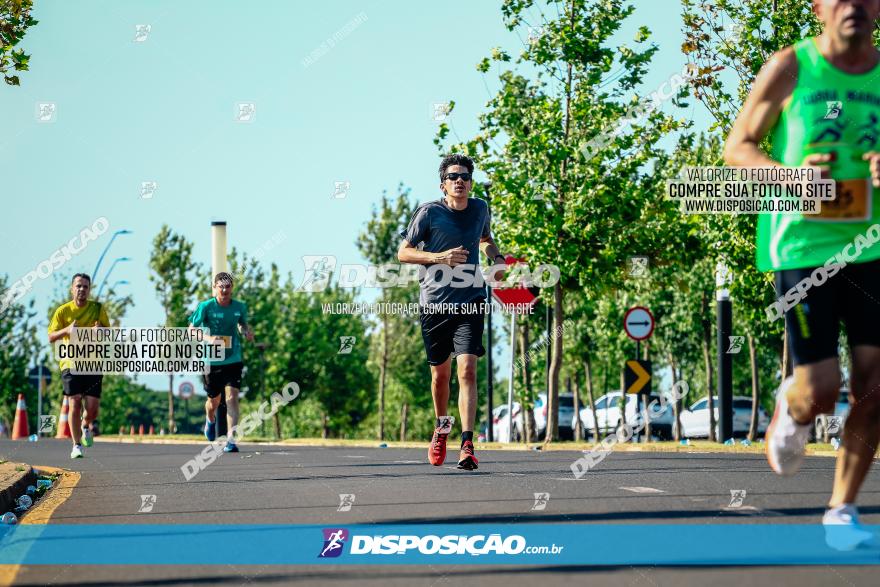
(15, 19)
(174, 273)
(378, 243)
(18, 345)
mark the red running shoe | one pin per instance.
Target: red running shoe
(466, 458)
(437, 450)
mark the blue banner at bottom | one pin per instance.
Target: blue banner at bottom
(481, 544)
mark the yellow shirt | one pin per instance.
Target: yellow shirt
(85, 317)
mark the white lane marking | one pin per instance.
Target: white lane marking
(642, 489)
(355, 456)
(409, 462)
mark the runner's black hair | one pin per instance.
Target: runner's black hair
(83, 275)
(455, 159)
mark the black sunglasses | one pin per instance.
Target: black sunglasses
(455, 176)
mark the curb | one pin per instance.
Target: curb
(14, 484)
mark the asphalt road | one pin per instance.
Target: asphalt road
(302, 485)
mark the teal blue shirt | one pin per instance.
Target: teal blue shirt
(222, 321)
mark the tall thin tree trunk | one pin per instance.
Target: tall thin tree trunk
(526, 404)
(403, 412)
(383, 367)
(707, 361)
(576, 431)
(786, 353)
(676, 405)
(325, 430)
(171, 427)
(555, 367)
(756, 390)
(588, 375)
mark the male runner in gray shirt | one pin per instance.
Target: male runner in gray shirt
(452, 296)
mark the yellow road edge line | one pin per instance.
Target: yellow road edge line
(41, 513)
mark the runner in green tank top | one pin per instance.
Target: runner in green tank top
(819, 102)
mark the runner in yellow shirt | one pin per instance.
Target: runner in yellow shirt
(80, 312)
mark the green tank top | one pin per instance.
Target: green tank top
(829, 111)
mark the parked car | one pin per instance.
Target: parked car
(695, 419)
(833, 423)
(565, 419)
(609, 417)
(501, 421)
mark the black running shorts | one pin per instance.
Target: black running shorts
(81, 384)
(455, 333)
(222, 376)
(851, 296)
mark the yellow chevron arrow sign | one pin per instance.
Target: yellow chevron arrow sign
(637, 375)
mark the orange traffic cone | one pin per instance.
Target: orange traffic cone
(20, 427)
(152, 430)
(141, 430)
(64, 420)
(131, 430)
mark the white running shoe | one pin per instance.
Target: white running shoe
(77, 452)
(786, 439)
(843, 531)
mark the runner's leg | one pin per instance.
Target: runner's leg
(92, 405)
(815, 390)
(440, 375)
(211, 407)
(862, 428)
(231, 411)
(467, 391)
(75, 418)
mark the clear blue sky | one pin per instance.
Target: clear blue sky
(164, 109)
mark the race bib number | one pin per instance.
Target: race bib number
(852, 204)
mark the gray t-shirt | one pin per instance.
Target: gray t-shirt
(439, 228)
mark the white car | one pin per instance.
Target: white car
(695, 419)
(833, 423)
(608, 415)
(565, 419)
(501, 423)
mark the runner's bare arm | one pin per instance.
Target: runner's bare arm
(770, 92)
(59, 334)
(407, 253)
(490, 249)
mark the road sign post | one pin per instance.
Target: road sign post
(519, 299)
(638, 323)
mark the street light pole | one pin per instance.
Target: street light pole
(115, 261)
(489, 387)
(725, 360)
(107, 248)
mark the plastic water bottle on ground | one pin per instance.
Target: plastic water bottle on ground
(9, 519)
(745, 442)
(835, 442)
(31, 490)
(47, 483)
(729, 442)
(33, 438)
(24, 501)
(685, 442)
